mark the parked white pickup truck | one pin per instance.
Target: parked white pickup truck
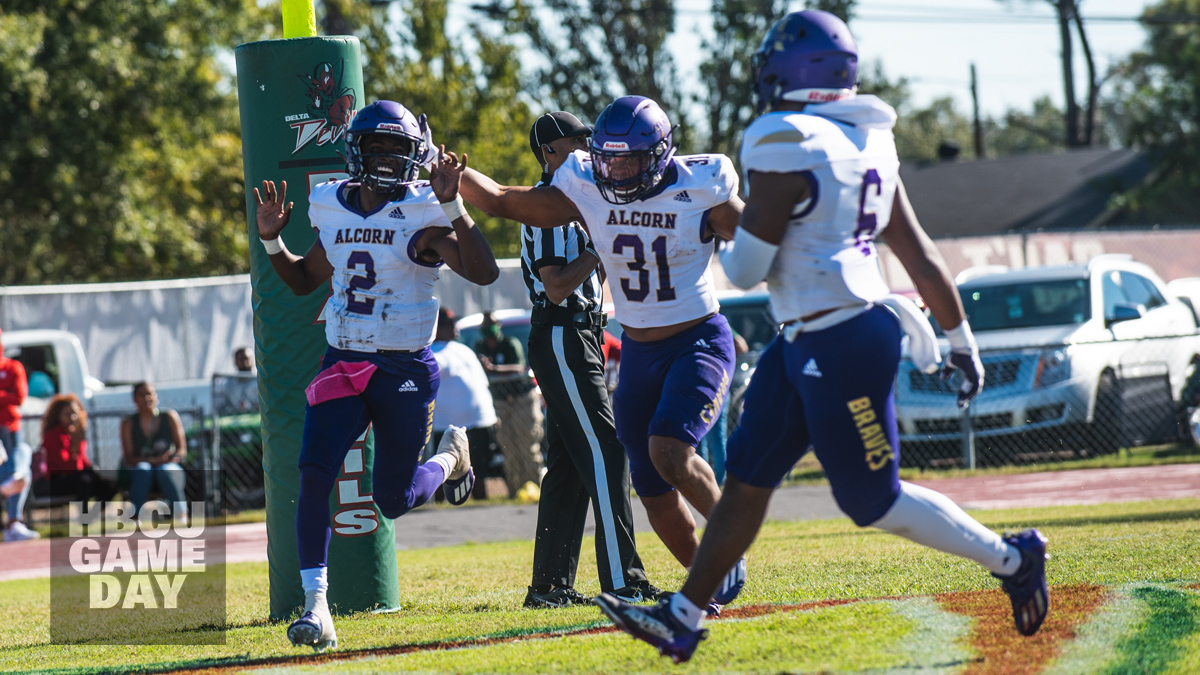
(54, 363)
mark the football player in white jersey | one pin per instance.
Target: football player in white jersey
(381, 237)
(652, 216)
(823, 184)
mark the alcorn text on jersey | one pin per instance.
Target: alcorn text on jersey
(655, 249)
(382, 292)
(847, 153)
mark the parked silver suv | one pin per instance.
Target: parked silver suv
(1079, 359)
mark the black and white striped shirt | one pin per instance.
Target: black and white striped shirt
(558, 246)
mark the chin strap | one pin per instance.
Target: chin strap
(431, 151)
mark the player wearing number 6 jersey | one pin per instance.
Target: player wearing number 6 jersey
(651, 216)
(381, 238)
(822, 172)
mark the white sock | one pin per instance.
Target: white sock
(443, 460)
(315, 579)
(688, 614)
(932, 519)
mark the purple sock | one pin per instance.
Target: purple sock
(312, 517)
(428, 478)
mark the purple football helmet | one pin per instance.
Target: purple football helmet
(631, 149)
(808, 57)
(386, 118)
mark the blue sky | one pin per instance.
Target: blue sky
(1015, 45)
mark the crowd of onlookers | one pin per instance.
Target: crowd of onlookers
(153, 448)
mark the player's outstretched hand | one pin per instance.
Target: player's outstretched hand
(446, 174)
(972, 369)
(273, 211)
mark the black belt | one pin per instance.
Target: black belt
(553, 315)
(388, 352)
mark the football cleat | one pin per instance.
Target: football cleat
(732, 584)
(1027, 588)
(653, 625)
(556, 596)
(713, 611)
(641, 591)
(315, 627)
(461, 479)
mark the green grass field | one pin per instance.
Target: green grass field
(823, 597)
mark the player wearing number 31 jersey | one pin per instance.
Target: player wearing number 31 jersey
(381, 238)
(651, 216)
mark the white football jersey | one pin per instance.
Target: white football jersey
(847, 152)
(654, 249)
(382, 293)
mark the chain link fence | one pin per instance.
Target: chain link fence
(104, 451)
(1030, 413)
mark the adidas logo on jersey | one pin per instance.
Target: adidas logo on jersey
(811, 368)
(683, 197)
(409, 385)
(701, 343)
(396, 213)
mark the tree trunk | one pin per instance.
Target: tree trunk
(1065, 10)
(1089, 123)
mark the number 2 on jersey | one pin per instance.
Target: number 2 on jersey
(639, 292)
(360, 282)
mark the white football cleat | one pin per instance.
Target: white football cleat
(314, 628)
(461, 479)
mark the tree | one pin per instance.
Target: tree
(473, 100)
(120, 152)
(1068, 15)
(1156, 100)
(738, 27)
(599, 50)
(843, 9)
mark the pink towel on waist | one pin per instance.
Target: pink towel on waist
(340, 380)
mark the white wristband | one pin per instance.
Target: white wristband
(747, 259)
(455, 209)
(961, 337)
(273, 246)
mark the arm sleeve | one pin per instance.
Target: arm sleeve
(16, 393)
(569, 177)
(548, 246)
(774, 145)
(725, 180)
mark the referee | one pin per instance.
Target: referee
(584, 460)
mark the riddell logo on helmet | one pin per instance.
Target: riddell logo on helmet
(329, 110)
(826, 95)
(615, 145)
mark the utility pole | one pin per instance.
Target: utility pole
(1066, 9)
(975, 106)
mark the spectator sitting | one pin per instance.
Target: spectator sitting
(152, 446)
(499, 353)
(239, 393)
(464, 400)
(15, 481)
(517, 404)
(68, 471)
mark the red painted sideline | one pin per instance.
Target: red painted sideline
(248, 542)
(1058, 488)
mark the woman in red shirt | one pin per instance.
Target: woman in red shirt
(69, 472)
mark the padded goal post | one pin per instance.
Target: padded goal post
(296, 98)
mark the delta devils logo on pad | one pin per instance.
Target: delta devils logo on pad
(329, 109)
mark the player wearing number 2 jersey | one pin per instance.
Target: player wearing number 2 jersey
(651, 216)
(381, 238)
(822, 173)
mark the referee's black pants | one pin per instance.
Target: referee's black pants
(584, 462)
